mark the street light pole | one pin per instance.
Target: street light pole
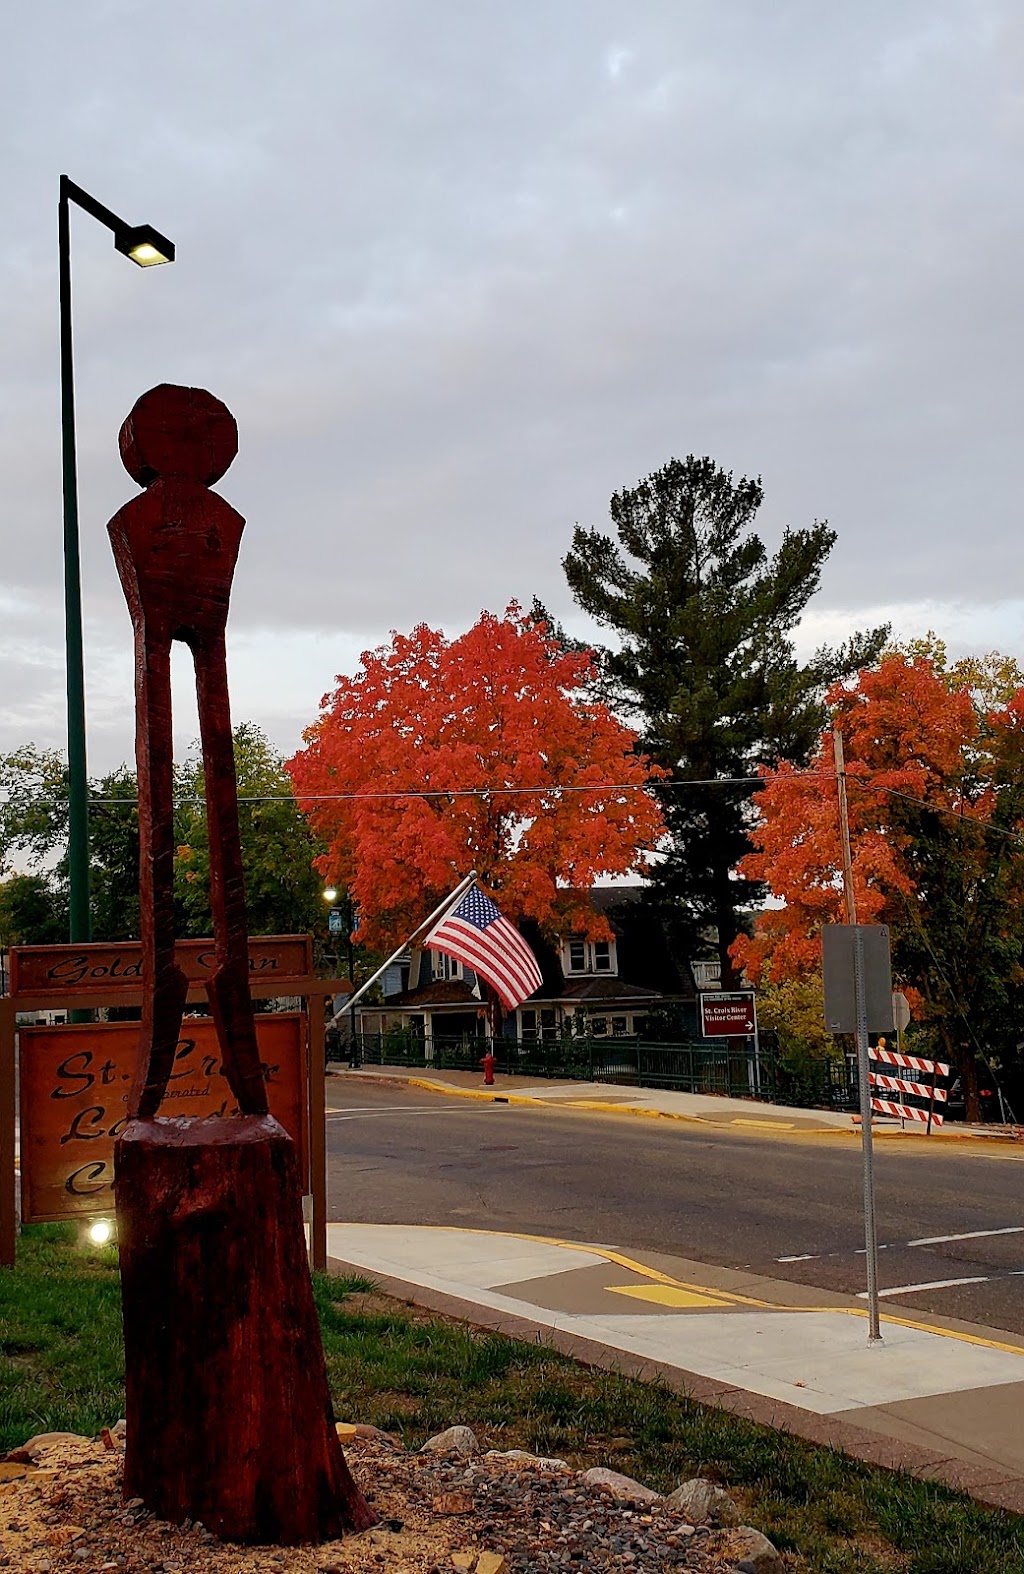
(144, 246)
(78, 808)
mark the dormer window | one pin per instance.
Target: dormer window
(445, 966)
(589, 956)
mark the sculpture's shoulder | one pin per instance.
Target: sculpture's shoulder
(175, 514)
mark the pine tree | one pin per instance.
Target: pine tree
(706, 669)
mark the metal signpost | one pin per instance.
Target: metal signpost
(732, 1014)
(858, 1000)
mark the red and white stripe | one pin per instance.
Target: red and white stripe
(499, 954)
(891, 1057)
(916, 1090)
(904, 1111)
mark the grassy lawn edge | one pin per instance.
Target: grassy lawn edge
(413, 1373)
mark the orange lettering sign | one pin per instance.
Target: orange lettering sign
(74, 1081)
(59, 969)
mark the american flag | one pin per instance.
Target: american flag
(476, 933)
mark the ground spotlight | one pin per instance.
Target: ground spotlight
(100, 1231)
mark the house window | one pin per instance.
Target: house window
(619, 1027)
(542, 1024)
(445, 966)
(589, 956)
(599, 1027)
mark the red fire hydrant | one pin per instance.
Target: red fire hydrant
(488, 1063)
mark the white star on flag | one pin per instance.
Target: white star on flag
(476, 933)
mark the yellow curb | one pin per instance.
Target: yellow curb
(791, 1128)
(629, 1109)
(666, 1279)
(444, 1087)
(604, 1107)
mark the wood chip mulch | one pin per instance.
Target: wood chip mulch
(437, 1516)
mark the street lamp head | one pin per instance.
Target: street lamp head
(144, 245)
(330, 895)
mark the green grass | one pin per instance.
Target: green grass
(61, 1369)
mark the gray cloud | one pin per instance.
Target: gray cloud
(462, 270)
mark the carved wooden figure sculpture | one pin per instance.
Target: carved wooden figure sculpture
(228, 1410)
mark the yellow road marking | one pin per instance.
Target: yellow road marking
(768, 1125)
(727, 1297)
(665, 1295)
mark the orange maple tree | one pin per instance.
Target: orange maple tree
(494, 726)
(904, 731)
(936, 811)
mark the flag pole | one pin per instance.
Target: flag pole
(438, 913)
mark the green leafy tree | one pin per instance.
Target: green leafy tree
(283, 892)
(114, 856)
(33, 805)
(705, 666)
(33, 911)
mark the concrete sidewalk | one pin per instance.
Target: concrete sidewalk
(718, 1110)
(941, 1398)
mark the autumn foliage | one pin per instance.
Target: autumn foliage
(905, 731)
(494, 725)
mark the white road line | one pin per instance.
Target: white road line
(932, 1284)
(923, 1240)
(968, 1235)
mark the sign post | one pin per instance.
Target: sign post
(858, 999)
(733, 1015)
(863, 1068)
(855, 963)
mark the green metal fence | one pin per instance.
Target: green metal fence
(701, 1066)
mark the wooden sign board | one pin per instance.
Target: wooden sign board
(74, 1083)
(57, 970)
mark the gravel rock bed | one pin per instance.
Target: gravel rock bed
(542, 1520)
(438, 1516)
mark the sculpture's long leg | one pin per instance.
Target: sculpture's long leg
(166, 986)
(228, 989)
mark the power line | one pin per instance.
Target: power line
(938, 808)
(483, 792)
(427, 793)
(588, 787)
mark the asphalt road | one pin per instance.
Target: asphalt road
(789, 1208)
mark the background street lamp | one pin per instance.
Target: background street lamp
(145, 246)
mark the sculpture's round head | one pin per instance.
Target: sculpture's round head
(180, 432)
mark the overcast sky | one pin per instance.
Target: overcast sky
(463, 269)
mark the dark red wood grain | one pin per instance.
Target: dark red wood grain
(229, 1412)
(175, 549)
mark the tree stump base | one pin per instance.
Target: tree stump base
(229, 1417)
